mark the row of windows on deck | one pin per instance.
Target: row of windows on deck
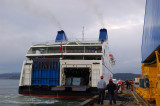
(65, 50)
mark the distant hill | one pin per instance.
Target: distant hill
(10, 76)
(124, 76)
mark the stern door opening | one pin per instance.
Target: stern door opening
(77, 76)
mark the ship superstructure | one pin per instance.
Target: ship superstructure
(66, 68)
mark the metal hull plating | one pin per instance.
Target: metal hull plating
(46, 91)
(150, 80)
(151, 31)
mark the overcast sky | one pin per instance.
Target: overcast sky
(23, 22)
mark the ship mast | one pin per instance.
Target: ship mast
(83, 34)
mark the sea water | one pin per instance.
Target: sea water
(9, 97)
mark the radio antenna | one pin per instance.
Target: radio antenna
(83, 34)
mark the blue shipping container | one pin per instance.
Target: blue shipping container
(151, 30)
(46, 72)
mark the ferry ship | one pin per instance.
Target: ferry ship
(66, 68)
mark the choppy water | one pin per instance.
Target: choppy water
(9, 97)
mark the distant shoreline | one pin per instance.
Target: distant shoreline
(10, 76)
(122, 76)
(8, 79)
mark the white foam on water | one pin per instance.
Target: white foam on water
(9, 97)
(17, 99)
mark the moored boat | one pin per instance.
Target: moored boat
(66, 68)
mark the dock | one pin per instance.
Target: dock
(127, 98)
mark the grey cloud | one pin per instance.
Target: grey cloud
(20, 27)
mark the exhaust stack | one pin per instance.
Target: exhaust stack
(103, 36)
(61, 36)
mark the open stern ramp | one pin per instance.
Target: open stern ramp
(89, 70)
